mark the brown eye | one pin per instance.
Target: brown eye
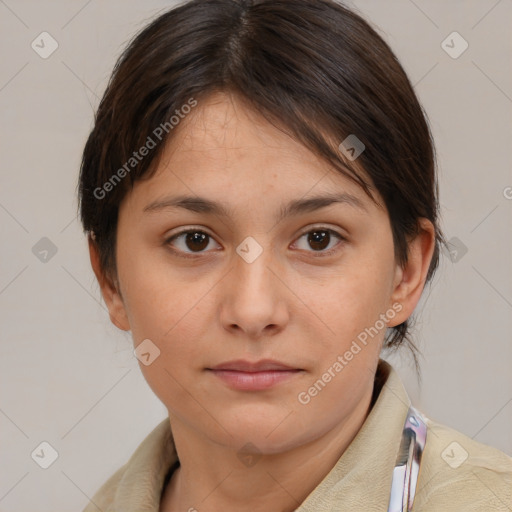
(189, 242)
(320, 240)
(195, 240)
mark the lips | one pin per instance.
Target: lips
(244, 375)
(241, 365)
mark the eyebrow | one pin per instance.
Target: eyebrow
(295, 207)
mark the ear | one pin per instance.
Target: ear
(110, 292)
(409, 281)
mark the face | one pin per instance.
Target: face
(312, 287)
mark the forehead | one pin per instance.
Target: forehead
(225, 149)
(224, 129)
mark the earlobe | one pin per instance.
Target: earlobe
(409, 281)
(109, 291)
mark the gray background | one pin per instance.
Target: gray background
(69, 377)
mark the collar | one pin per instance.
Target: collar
(362, 475)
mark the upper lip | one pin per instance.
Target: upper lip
(257, 366)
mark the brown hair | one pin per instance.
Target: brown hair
(312, 67)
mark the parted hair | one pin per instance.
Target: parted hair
(314, 68)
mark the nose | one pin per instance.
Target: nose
(254, 298)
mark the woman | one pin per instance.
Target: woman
(260, 197)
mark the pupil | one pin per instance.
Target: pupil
(197, 240)
(315, 237)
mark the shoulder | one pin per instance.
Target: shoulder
(460, 474)
(138, 483)
(104, 497)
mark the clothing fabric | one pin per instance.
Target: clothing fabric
(457, 474)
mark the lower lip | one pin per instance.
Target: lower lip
(254, 381)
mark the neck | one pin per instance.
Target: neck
(210, 476)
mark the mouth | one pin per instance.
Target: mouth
(241, 365)
(254, 376)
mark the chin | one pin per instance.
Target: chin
(271, 436)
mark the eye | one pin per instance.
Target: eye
(191, 242)
(319, 239)
(188, 242)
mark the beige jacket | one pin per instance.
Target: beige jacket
(456, 474)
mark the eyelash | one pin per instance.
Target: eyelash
(316, 254)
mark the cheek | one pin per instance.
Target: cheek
(166, 305)
(170, 318)
(355, 299)
(351, 305)
(156, 296)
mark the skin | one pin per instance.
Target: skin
(289, 304)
